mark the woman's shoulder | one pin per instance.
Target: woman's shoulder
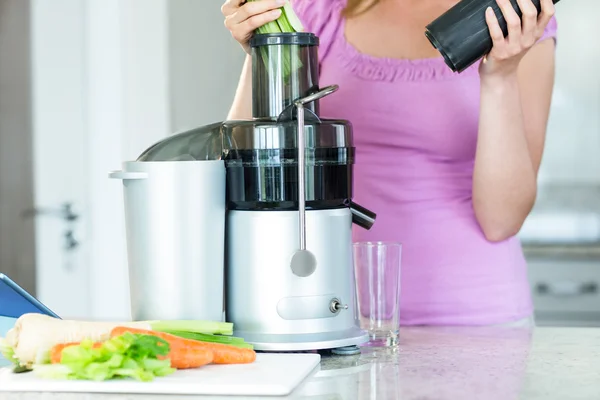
(321, 17)
(318, 15)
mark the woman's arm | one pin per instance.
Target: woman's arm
(241, 107)
(512, 130)
(517, 79)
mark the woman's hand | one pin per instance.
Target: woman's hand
(242, 17)
(523, 33)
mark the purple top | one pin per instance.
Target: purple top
(415, 130)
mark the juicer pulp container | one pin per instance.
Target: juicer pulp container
(175, 222)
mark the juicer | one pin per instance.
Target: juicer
(285, 178)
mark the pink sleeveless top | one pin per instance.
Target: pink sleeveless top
(415, 131)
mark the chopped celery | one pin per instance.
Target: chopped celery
(7, 351)
(207, 327)
(230, 340)
(129, 355)
(287, 22)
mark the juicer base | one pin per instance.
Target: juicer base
(304, 342)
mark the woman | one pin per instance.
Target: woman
(448, 161)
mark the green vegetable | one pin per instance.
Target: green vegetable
(287, 22)
(7, 352)
(33, 336)
(202, 337)
(206, 327)
(125, 356)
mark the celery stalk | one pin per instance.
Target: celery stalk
(201, 337)
(287, 22)
(206, 327)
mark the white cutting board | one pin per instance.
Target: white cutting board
(269, 375)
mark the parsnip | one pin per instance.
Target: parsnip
(34, 335)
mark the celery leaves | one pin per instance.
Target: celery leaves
(141, 357)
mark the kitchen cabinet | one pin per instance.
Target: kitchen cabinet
(565, 285)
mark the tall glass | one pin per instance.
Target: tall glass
(377, 268)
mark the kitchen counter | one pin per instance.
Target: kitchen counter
(447, 363)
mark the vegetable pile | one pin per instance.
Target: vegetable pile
(288, 22)
(98, 351)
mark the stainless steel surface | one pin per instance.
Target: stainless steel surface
(303, 261)
(326, 91)
(212, 142)
(203, 143)
(175, 220)
(262, 287)
(304, 342)
(261, 135)
(301, 178)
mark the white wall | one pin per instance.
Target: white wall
(205, 63)
(572, 152)
(127, 90)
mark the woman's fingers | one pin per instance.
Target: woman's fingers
(545, 15)
(244, 29)
(495, 31)
(230, 6)
(529, 18)
(242, 18)
(253, 8)
(513, 22)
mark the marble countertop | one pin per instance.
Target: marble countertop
(446, 363)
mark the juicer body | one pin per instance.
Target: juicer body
(277, 309)
(274, 304)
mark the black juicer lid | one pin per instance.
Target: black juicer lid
(284, 38)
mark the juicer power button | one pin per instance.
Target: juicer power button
(336, 306)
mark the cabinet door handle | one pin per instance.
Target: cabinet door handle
(567, 289)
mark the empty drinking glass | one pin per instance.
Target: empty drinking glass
(377, 269)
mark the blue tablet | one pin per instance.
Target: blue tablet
(15, 301)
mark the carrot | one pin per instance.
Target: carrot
(180, 347)
(56, 351)
(190, 358)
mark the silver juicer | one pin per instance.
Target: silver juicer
(288, 179)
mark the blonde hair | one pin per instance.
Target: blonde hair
(356, 7)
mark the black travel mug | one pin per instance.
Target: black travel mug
(461, 34)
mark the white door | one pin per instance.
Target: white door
(60, 155)
(100, 96)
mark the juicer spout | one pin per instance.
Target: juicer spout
(361, 216)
